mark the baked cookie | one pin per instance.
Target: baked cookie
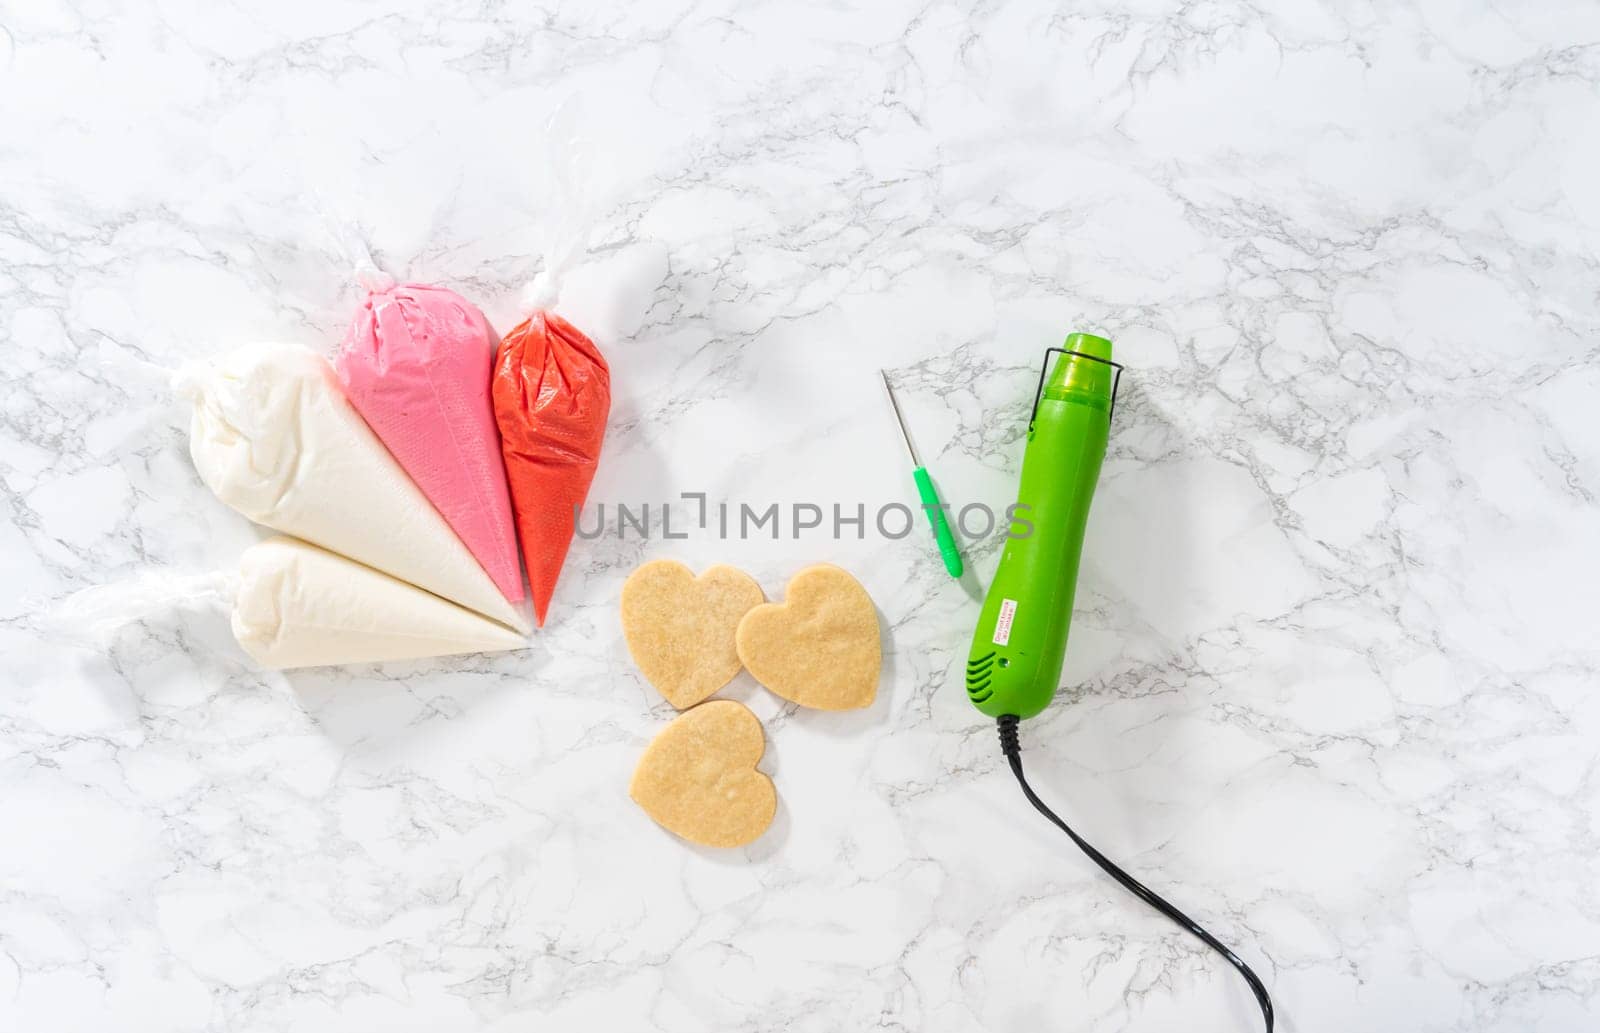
(820, 647)
(698, 778)
(680, 627)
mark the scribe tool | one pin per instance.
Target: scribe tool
(927, 492)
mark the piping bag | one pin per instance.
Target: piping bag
(292, 604)
(552, 394)
(1021, 639)
(551, 386)
(415, 363)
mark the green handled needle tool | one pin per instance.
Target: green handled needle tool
(928, 493)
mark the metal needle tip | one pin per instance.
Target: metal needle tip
(900, 419)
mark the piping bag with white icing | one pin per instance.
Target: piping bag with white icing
(275, 438)
(295, 605)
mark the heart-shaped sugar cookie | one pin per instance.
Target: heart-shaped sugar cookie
(698, 778)
(819, 647)
(680, 627)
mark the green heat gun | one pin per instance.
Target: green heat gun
(1021, 638)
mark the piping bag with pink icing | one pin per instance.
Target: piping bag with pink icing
(415, 364)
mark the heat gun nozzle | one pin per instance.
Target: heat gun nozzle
(1084, 373)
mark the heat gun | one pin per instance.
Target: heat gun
(1021, 639)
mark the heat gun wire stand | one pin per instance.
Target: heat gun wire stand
(1012, 748)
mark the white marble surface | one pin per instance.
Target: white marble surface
(1333, 675)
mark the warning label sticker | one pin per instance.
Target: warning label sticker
(1002, 626)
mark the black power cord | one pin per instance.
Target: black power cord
(1012, 748)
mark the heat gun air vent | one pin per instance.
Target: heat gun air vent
(979, 671)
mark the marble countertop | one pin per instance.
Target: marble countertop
(1332, 676)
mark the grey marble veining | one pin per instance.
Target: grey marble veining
(1331, 682)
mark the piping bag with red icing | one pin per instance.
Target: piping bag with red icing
(415, 363)
(552, 394)
(551, 385)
